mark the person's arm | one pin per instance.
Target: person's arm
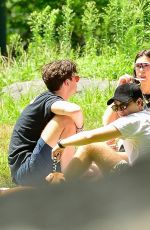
(126, 78)
(109, 116)
(86, 137)
(69, 109)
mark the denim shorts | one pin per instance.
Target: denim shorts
(37, 165)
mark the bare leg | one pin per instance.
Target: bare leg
(58, 128)
(103, 155)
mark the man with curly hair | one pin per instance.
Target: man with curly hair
(42, 123)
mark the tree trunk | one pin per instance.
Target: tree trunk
(3, 28)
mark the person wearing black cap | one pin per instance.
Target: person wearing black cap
(133, 127)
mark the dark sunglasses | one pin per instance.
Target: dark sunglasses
(77, 78)
(144, 65)
(120, 107)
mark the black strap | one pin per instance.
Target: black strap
(60, 145)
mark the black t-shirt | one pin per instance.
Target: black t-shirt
(28, 128)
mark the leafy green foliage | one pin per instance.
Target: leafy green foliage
(18, 12)
(111, 40)
(123, 24)
(42, 25)
(65, 30)
(90, 21)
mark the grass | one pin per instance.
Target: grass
(5, 179)
(93, 104)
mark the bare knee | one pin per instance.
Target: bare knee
(67, 121)
(87, 150)
(92, 149)
(66, 124)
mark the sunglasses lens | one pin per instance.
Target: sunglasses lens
(138, 66)
(120, 107)
(142, 65)
(114, 108)
(77, 78)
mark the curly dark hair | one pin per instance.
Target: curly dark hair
(56, 72)
(141, 54)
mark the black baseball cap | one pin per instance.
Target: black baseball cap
(126, 92)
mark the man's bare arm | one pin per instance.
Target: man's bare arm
(69, 109)
(86, 137)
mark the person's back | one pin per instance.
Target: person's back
(29, 127)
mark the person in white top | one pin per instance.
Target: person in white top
(133, 126)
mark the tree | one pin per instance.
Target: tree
(3, 27)
(20, 10)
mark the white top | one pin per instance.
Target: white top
(135, 130)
